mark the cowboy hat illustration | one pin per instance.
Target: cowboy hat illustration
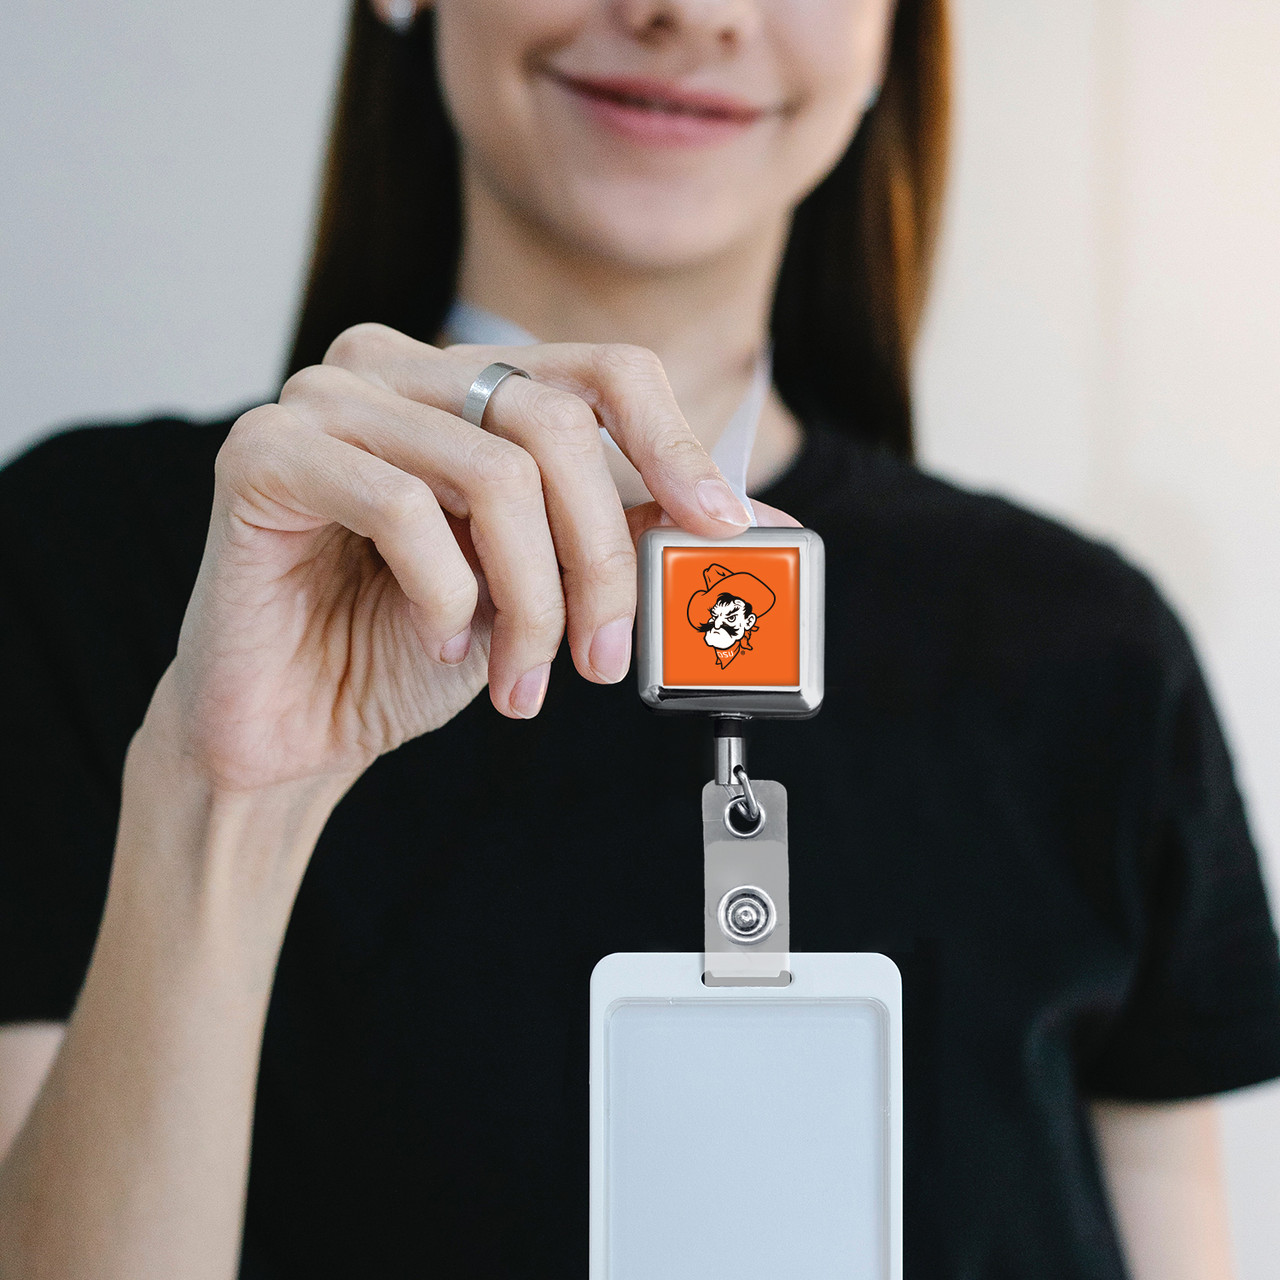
(728, 610)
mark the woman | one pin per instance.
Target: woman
(1017, 788)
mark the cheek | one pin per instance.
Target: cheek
(482, 50)
(833, 51)
(829, 41)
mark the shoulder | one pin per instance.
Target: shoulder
(985, 587)
(101, 531)
(90, 495)
(102, 463)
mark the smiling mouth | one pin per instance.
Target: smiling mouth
(648, 104)
(658, 106)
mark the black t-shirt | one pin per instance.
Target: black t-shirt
(1017, 790)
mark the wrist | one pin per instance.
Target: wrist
(234, 857)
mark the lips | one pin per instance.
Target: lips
(661, 112)
(649, 94)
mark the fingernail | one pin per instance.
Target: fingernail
(456, 649)
(611, 650)
(718, 501)
(531, 688)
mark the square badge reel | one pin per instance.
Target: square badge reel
(746, 1100)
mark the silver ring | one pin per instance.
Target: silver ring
(491, 377)
(755, 825)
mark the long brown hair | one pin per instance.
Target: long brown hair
(854, 277)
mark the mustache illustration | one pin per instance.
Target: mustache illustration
(710, 625)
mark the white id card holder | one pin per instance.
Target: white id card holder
(746, 1133)
(746, 1101)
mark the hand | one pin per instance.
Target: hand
(373, 560)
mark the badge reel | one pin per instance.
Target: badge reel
(746, 1105)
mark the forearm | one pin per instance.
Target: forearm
(134, 1160)
(1162, 1164)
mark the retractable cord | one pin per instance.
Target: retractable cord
(743, 814)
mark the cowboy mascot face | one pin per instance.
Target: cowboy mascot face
(728, 610)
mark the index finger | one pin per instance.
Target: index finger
(625, 386)
(628, 391)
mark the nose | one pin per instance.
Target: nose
(723, 24)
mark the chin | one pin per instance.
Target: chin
(650, 230)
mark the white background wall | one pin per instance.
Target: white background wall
(1105, 341)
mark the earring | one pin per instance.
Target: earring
(400, 15)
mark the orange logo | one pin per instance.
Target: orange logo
(730, 617)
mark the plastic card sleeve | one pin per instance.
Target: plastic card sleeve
(746, 1133)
